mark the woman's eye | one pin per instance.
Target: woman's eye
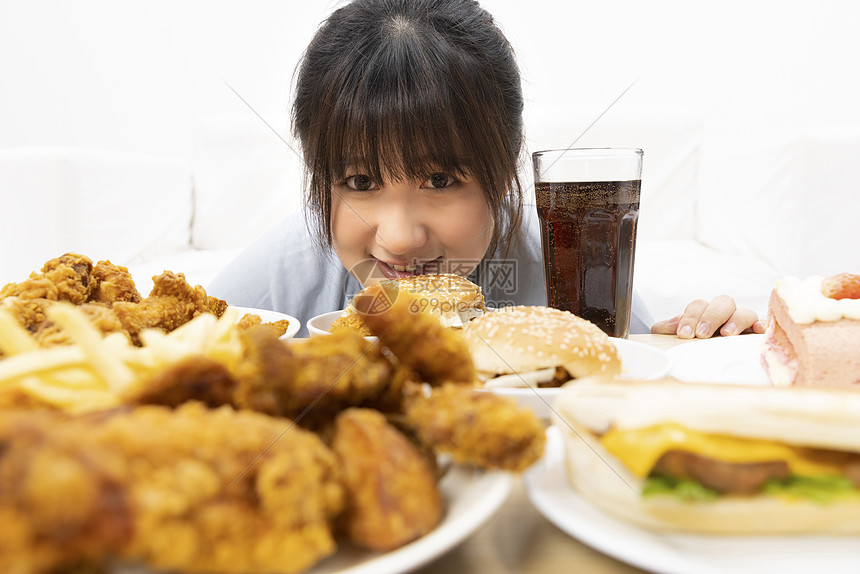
(439, 180)
(359, 182)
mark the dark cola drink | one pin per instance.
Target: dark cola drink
(588, 232)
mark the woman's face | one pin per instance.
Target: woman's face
(386, 230)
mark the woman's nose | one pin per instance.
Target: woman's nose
(400, 229)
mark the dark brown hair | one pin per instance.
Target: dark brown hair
(404, 88)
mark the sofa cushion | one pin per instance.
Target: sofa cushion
(787, 198)
(670, 274)
(107, 205)
(246, 180)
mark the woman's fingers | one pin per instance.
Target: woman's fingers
(711, 318)
(742, 321)
(703, 319)
(666, 327)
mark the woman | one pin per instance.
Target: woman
(410, 117)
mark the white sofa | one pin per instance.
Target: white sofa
(160, 159)
(714, 219)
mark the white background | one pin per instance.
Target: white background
(150, 76)
(209, 82)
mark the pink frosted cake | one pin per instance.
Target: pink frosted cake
(813, 334)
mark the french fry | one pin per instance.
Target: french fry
(97, 372)
(14, 338)
(194, 335)
(114, 372)
(38, 362)
(75, 400)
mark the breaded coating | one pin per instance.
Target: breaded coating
(249, 320)
(171, 303)
(29, 313)
(391, 493)
(193, 378)
(349, 321)
(57, 504)
(170, 284)
(64, 278)
(100, 315)
(189, 490)
(326, 373)
(107, 294)
(416, 338)
(477, 427)
(113, 283)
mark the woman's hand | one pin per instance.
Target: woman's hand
(702, 319)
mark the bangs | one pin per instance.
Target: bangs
(403, 112)
(401, 121)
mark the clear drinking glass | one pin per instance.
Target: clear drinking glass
(588, 205)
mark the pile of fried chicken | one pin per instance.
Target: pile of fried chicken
(106, 293)
(262, 466)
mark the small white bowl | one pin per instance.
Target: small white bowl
(270, 317)
(320, 325)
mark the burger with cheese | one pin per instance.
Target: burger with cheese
(720, 459)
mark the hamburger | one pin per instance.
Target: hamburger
(717, 459)
(453, 299)
(538, 347)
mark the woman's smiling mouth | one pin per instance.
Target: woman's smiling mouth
(393, 270)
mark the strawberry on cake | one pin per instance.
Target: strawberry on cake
(813, 333)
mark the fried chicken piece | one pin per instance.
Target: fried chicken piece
(193, 378)
(29, 313)
(102, 317)
(113, 283)
(189, 490)
(64, 278)
(349, 321)
(57, 502)
(309, 379)
(249, 320)
(170, 284)
(171, 303)
(417, 339)
(391, 493)
(477, 427)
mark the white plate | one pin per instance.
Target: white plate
(638, 361)
(471, 498)
(732, 360)
(272, 316)
(666, 553)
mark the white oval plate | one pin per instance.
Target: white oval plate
(638, 361)
(270, 317)
(721, 360)
(674, 553)
(471, 498)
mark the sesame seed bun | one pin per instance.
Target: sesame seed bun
(530, 338)
(453, 299)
